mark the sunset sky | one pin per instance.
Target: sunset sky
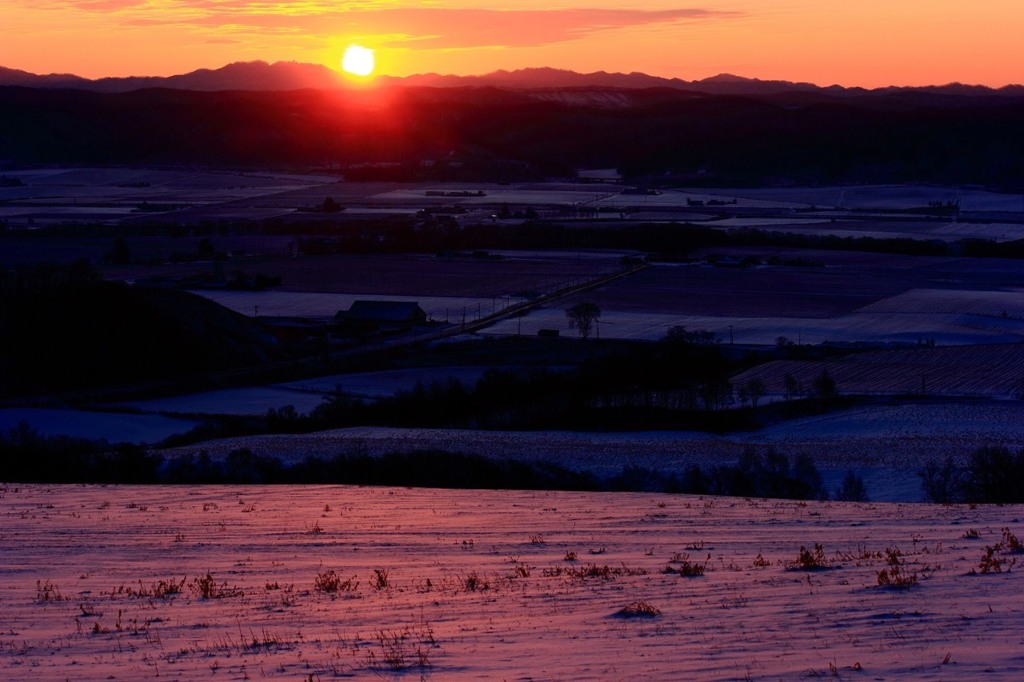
(868, 43)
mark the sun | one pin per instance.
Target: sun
(358, 60)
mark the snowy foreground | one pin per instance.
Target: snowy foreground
(320, 583)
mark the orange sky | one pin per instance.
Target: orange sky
(868, 43)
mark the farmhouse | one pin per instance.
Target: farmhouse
(380, 316)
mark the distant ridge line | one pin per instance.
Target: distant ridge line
(264, 76)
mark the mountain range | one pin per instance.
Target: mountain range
(263, 76)
(530, 124)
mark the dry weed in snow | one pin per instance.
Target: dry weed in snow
(101, 582)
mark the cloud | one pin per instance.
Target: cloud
(85, 5)
(521, 28)
(423, 27)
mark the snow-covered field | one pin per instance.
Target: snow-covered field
(303, 394)
(885, 445)
(928, 231)
(386, 383)
(865, 326)
(68, 194)
(58, 195)
(109, 426)
(981, 371)
(320, 305)
(889, 197)
(252, 401)
(323, 583)
(538, 195)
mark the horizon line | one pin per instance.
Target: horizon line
(436, 74)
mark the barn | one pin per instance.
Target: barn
(380, 317)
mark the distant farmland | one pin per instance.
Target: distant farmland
(809, 297)
(996, 370)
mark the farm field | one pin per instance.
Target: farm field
(880, 197)
(56, 195)
(324, 583)
(832, 283)
(978, 371)
(250, 401)
(885, 445)
(501, 274)
(113, 195)
(807, 296)
(303, 394)
(765, 331)
(928, 230)
(110, 426)
(849, 297)
(387, 383)
(153, 255)
(839, 298)
(448, 289)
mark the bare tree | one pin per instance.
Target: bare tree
(824, 386)
(716, 394)
(755, 390)
(581, 317)
(679, 334)
(793, 387)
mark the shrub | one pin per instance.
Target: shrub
(990, 562)
(993, 562)
(47, 591)
(400, 652)
(895, 575)
(687, 568)
(942, 483)
(593, 571)
(522, 571)
(160, 589)
(811, 560)
(1010, 543)
(756, 475)
(994, 474)
(852, 489)
(330, 582)
(638, 609)
(205, 587)
(474, 583)
(380, 579)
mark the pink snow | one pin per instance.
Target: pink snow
(132, 583)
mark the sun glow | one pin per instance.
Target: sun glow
(358, 60)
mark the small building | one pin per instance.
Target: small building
(380, 316)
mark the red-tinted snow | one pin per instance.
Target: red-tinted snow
(477, 585)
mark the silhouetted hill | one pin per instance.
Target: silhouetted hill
(86, 334)
(257, 75)
(53, 80)
(655, 135)
(263, 76)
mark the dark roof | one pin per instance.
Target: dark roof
(384, 311)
